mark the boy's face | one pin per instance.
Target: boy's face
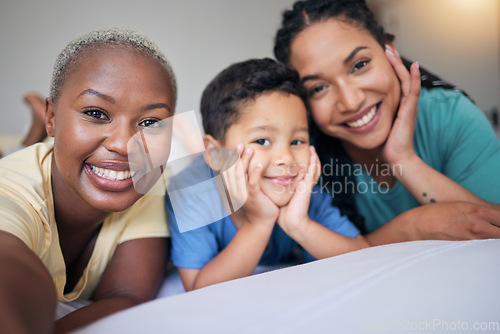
(108, 97)
(275, 126)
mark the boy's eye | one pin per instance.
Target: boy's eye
(316, 89)
(297, 142)
(263, 142)
(151, 123)
(94, 113)
(359, 65)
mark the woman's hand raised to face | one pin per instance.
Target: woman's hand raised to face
(399, 145)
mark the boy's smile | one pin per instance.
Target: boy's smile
(274, 125)
(110, 95)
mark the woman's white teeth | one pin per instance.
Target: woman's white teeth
(364, 120)
(112, 174)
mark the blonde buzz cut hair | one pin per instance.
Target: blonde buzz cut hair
(114, 36)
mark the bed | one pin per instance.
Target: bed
(420, 286)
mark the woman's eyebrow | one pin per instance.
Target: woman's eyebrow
(345, 61)
(157, 106)
(98, 94)
(309, 77)
(353, 53)
(112, 100)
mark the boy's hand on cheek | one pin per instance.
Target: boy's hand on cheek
(294, 217)
(258, 207)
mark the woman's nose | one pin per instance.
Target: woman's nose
(349, 97)
(118, 137)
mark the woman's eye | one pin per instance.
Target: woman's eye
(359, 65)
(263, 142)
(94, 113)
(316, 89)
(150, 123)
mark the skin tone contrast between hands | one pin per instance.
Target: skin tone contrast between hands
(281, 169)
(354, 94)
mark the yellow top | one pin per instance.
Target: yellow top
(27, 211)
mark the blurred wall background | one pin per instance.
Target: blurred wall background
(457, 39)
(199, 37)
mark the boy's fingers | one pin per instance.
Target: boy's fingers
(317, 172)
(314, 166)
(310, 176)
(245, 159)
(254, 177)
(233, 173)
(240, 148)
(232, 180)
(237, 189)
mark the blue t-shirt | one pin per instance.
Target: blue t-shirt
(452, 136)
(195, 247)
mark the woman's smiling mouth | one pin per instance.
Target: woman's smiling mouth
(110, 179)
(362, 121)
(110, 174)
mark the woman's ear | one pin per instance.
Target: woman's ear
(50, 118)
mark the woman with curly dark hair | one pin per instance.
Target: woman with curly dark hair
(391, 139)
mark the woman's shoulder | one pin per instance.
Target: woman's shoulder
(27, 170)
(450, 126)
(24, 195)
(444, 98)
(437, 99)
(440, 107)
(34, 153)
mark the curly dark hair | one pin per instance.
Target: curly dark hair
(239, 83)
(305, 13)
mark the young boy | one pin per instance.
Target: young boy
(256, 107)
(72, 224)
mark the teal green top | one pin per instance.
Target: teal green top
(452, 136)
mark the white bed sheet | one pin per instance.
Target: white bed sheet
(422, 286)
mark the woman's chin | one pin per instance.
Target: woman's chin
(368, 142)
(114, 205)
